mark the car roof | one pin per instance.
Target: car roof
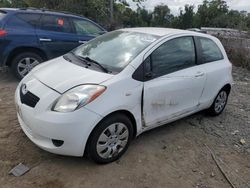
(158, 31)
(35, 10)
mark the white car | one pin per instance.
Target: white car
(97, 98)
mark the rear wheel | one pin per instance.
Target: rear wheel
(219, 103)
(110, 139)
(24, 62)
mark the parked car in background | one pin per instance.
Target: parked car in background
(98, 97)
(197, 30)
(31, 36)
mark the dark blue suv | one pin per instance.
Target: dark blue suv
(31, 36)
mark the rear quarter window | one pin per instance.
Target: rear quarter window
(22, 20)
(210, 51)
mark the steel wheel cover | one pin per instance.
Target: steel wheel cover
(112, 140)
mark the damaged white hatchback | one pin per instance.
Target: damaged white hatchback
(97, 98)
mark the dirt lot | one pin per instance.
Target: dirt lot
(171, 156)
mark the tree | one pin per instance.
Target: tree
(210, 13)
(162, 16)
(13, 3)
(114, 14)
(185, 19)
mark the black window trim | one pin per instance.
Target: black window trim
(140, 73)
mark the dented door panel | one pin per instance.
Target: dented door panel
(172, 95)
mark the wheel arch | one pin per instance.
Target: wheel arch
(20, 50)
(227, 88)
(125, 112)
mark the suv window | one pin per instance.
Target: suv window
(173, 55)
(56, 24)
(84, 27)
(210, 50)
(21, 20)
(32, 19)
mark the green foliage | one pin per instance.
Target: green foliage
(211, 13)
(162, 16)
(186, 19)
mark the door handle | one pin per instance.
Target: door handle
(45, 40)
(82, 41)
(199, 74)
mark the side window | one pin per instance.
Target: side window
(22, 20)
(174, 55)
(84, 27)
(56, 24)
(210, 51)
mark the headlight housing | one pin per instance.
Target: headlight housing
(78, 97)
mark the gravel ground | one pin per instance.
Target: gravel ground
(175, 155)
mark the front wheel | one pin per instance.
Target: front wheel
(110, 139)
(219, 103)
(24, 62)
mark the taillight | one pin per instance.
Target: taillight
(3, 33)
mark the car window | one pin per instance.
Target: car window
(23, 20)
(32, 19)
(56, 24)
(210, 51)
(84, 27)
(173, 55)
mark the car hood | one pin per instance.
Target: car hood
(62, 75)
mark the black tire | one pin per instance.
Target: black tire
(212, 110)
(97, 132)
(19, 57)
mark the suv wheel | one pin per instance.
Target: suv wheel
(110, 139)
(23, 63)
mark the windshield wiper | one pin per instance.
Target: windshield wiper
(87, 61)
(95, 62)
(83, 59)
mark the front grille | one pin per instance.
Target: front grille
(29, 99)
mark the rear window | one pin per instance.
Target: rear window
(56, 24)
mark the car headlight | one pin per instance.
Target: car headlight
(77, 97)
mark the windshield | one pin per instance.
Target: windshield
(116, 49)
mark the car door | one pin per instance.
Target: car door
(174, 81)
(56, 35)
(86, 30)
